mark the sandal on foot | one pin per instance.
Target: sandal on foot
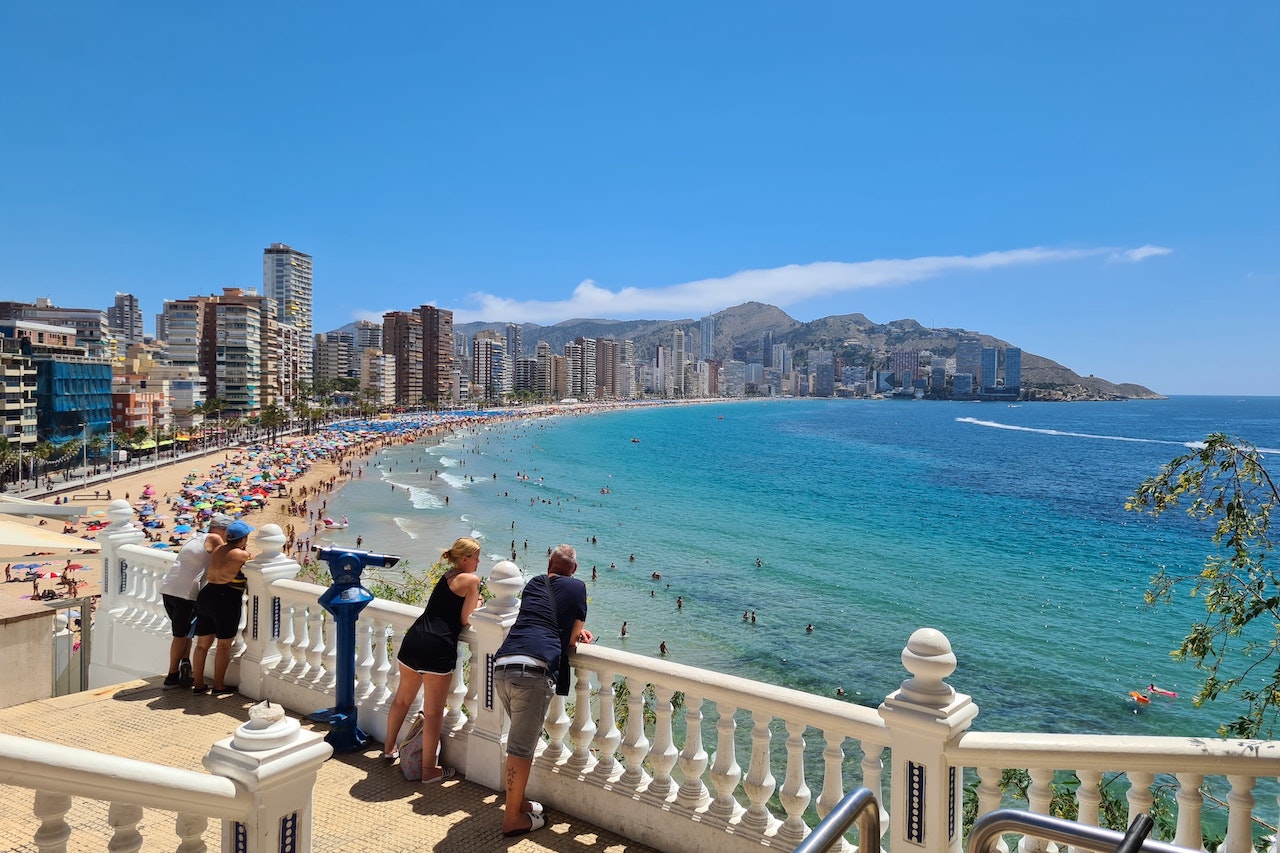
(391, 756)
(535, 807)
(445, 774)
(536, 821)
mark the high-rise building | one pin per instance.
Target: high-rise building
(368, 334)
(905, 365)
(969, 356)
(1013, 369)
(581, 357)
(124, 319)
(706, 338)
(987, 370)
(766, 349)
(675, 376)
(286, 278)
(335, 356)
(823, 365)
(488, 366)
(402, 339)
(608, 369)
(437, 355)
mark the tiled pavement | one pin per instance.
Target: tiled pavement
(361, 803)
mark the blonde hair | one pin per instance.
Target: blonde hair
(464, 546)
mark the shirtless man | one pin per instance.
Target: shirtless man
(218, 607)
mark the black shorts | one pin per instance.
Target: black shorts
(182, 615)
(218, 610)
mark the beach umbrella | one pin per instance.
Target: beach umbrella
(75, 566)
(159, 545)
(182, 528)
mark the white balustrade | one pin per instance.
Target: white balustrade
(677, 797)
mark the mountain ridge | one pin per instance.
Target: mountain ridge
(853, 337)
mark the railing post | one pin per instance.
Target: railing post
(263, 612)
(277, 763)
(491, 624)
(923, 715)
(119, 532)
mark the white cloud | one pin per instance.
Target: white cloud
(1133, 256)
(782, 286)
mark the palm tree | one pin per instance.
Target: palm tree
(9, 456)
(272, 418)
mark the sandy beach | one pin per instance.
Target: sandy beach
(294, 504)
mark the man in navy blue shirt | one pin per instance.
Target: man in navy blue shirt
(531, 665)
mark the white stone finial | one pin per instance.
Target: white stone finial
(271, 541)
(928, 657)
(505, 582)
(268, 728)
(119, 512)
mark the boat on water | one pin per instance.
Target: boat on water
(1160, 691)
(330, 524)
(1139, 697)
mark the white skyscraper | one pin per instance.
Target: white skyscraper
(286, 278)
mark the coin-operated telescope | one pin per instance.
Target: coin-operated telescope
(344, 599)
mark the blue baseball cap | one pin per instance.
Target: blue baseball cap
(238, 530)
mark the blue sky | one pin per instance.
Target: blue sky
(1098, 183)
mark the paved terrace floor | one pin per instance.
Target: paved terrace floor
(361, 803)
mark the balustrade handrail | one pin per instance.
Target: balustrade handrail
(819, 711)
(51, 767)
(988, 828)
(1148, 753)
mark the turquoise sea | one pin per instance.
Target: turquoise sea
(1002, 526)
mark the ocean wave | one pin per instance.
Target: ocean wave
(1016, 428)
(406, 527)
(457, 481)
(448, 462)
(1191, 445)
(422, 498)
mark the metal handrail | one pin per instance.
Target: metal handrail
(988, 829)
(859, 805)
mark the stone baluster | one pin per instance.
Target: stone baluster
(924, 715)
(123, 818)
(277, 763)
(795, 794)
(300, 614)
(873, 778)
(1039, 797)
(725, 770)
(54, 830)
(261, 650)
(154, 617)
(693, 793)
(663, 754)
(364, 661)
(190, 828)
(285, 642)
(989, 800)
(490, 623)
(1088, 796)
(607, 737)
(832, 773)
(1139, 795)
(1239, 837)
(557, 726)
(471, 688)
(382, 666)
(329, 684)
(583, 728)
(315, 651)
(635, 746)
(759, 783)
(453, 717)
(1190, 806)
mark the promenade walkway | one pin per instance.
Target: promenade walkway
(361, 803)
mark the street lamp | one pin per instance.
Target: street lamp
(84, 450)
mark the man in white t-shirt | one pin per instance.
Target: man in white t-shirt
(179, 589)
